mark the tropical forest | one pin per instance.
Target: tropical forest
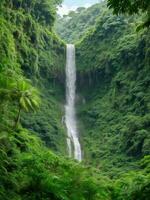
(74, 100)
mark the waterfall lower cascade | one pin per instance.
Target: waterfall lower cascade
(73, 143)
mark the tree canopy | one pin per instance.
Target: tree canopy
(131, 7)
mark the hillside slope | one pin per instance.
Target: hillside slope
(31, 50)
(113, 66)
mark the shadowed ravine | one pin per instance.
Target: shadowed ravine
(74, 147)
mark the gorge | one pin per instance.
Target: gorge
(74, 101)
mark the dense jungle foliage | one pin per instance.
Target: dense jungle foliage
(113, 66)
(31, 50)
(116, 115)
(72, 27)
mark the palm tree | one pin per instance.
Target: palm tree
(27, 97)
(18, 89)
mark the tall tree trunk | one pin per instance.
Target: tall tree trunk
(18, 118)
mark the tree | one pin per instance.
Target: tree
(27, 98)
(16, 89)
(131, 7)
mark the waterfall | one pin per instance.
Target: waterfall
(74, 147)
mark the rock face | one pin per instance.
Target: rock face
(113, 79)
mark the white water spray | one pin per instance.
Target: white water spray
(74, 147)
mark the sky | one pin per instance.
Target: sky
(69, 5)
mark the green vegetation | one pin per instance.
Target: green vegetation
(73, 26)
(29, 49)
(29, 171)
(113, 66)
(131, 7)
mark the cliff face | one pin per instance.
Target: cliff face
(30, 49)
(113, 69)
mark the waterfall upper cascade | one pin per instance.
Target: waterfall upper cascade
(73, 143)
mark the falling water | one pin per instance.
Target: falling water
(73, 143)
